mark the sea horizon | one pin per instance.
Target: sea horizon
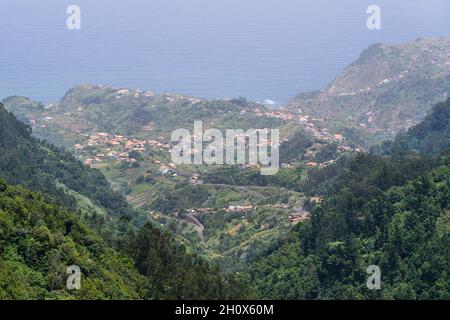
(271, 50)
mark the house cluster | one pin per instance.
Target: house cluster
(174, 98)
(322, 134)
(38, 124)
(154, 215)
(299, 215)
(239, 209)
(315, 199)
(116, 147)
(202, 211)
(195, 181)
(281, 206)
(121, 93)
(165, 169)
(283, 115)
(231, 209)
(279, 114)
(313, 164)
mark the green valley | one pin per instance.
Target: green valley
(363, 181)
(73, 217)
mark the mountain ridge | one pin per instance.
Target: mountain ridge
(389, 88)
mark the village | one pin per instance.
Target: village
(304, 120)
(116, 147)
(102, 147)
(296, 216)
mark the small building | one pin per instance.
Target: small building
(299, 216)
(195, 181)
(312, 164)
(240, 209)
(205, 210)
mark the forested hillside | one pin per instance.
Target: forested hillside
(390, 212)
(39, 240)
(45, 230)
(41, 166)
(429, 137)
(387, 210)
(403, 227)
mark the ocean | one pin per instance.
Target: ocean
(259, 49)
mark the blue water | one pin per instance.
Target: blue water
(270, 49)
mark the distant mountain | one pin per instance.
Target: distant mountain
(88, 108)
(387, 89)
